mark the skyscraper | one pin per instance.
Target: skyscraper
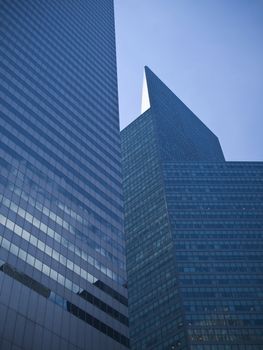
(62, 262)
(194, 229)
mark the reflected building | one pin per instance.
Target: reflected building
(194, 229)
(62, 258)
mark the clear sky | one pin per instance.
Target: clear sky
(208, 52)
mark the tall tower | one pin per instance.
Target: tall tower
(62, 262)
(194, 229)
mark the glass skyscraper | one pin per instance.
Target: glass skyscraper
(62, 261)
(194, 232)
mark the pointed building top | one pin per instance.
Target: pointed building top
(186, 136)
(153, 89)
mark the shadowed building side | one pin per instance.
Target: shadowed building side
(194, 229)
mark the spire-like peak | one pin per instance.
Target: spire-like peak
(145, 94)
(188, 136)
(153, 89)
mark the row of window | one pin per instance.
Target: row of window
(248, 268)
(224, 282)
(214, 167)
(236, 245)
(206, 181)
(221, 234)
(242, 294)
(228, 336)
(176, 204)
(203, 214)
(210, 199)
(234, 321)
(225, 347)
(224, 308)
(219, 256)
(217, 225)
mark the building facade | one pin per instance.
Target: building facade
(62, 257)
(194, 229)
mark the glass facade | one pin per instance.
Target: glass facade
(62, 256)
(194, 226)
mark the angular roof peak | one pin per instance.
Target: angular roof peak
(152, 88)
(187, 136)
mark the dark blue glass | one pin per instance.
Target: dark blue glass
(194, 229)
(62, 262)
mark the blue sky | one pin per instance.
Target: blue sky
(208, 52)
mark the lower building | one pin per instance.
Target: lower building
(194, 229)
